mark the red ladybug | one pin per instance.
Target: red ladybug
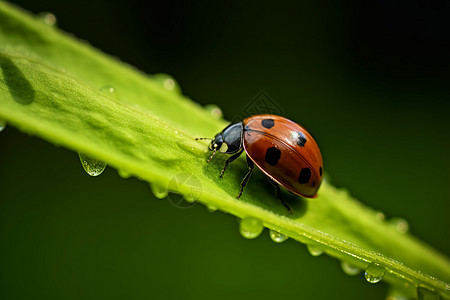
(281, 148)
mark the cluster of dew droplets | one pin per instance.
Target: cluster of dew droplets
(250, 227)
(277, 237)
(2, 124)
(374, 273)
(92, 166)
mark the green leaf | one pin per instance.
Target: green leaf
(66, 92)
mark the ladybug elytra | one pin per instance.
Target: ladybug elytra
(286, 153)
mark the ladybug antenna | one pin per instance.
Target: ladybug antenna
(214, 152)
(197, 139)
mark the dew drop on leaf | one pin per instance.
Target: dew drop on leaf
(314, 250)
(124, 174)
(380, 216)
(109, 90)
(211, 208)
(401, 225)
(48, 18)
(192, 147)
(350, 269)
(2, 124)
(374, 273)
(188, 185)
(277, 237)
(250, 228)
(214, 111)
(190, 197)
(167, 82)
(424, 293)
(92, 166)
(159, 191)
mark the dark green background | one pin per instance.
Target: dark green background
(371, 82)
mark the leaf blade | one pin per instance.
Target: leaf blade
(58, 99)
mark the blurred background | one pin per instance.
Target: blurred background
(369, 80)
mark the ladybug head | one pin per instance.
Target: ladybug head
(216, 142)
(215, 145)
(229, 141)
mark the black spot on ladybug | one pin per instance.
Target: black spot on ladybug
(305, 175)
(268, 123)
(320, 171)
(313, 184)
(301, 141)
(272, 156)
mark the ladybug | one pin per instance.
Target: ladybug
(286, 153)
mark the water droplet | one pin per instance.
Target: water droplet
(186, 184)
(2, 124)
(250, 228)
(109, 90)
(214, 110)
(92, 166)
(380, 216)
(124, 174)
(167, 82)
(190, 197)
(350, 269)
(158, 190)
(401, 225)
(314, 250)
(211, 208)
(374, 273)
(277, 237)
(192, 147)
(48, 18)
(424, 293)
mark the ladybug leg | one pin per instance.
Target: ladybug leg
(250, 165)
(278, 195)
(229, 160)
